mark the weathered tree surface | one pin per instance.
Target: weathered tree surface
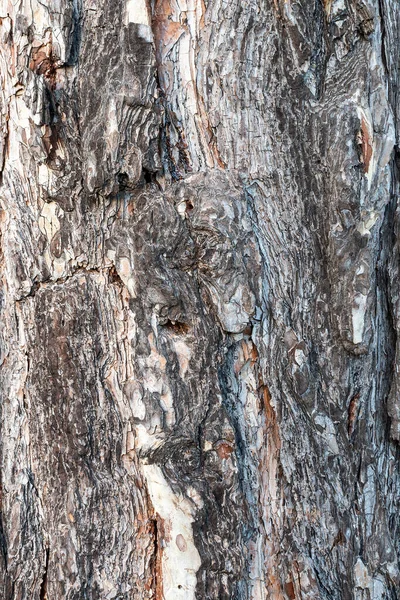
(200, 299)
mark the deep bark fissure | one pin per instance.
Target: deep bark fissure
(43, 585)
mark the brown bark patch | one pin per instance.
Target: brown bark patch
(43, 62)
(352, 413)
(289, 589)
(224, 450)
(271, 421)
(166, 31)
(177, 327)
(327, 7)
(248, 353)
(366, 145)
(158, 531)
(50, 140)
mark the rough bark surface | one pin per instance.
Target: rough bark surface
(200, 299)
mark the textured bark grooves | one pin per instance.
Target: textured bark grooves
(199, 299)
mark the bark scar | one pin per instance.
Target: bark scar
(366, 144)
(353, 413)
(158, 524)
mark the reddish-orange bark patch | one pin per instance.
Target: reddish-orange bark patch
(366, 144)
(224, 450)
(248, 353)
(158, 577)
(42, 62)
(327, 6)
(271, 421)
(289, 589)
(353, 411)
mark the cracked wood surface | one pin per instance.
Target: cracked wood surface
(199, 360)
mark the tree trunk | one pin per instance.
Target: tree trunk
(200, 300)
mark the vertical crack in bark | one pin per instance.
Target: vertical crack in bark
(158, 550)
(381, 6)
(388, 244)
(3, 539)
(43, 586)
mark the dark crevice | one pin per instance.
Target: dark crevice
(123, 182)
(174, 149)
(3, 542)
(5, 144)
(157, 529)
(229, 392)
(114, 277)
(383, 31)
(148, 176)
(388, 331)
(76, 34)
(176, 327)
(43, 586)
(37, 285)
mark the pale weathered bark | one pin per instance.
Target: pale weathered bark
(199, 299)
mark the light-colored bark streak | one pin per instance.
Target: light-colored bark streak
(180, 558)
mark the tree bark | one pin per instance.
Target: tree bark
(199, 299)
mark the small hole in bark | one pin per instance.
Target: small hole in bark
(114, 277)
(176, 327)
(123, 181)
(189, 205)
(179, 587)
(148, 176)
(248, 331)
